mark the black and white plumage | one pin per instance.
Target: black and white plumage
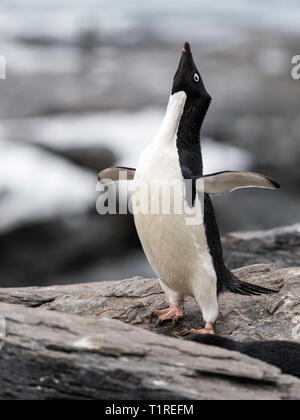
(283, 354)
(188, 259)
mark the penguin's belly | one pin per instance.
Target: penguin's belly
(177, 251)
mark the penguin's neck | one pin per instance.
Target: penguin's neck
(188, 138)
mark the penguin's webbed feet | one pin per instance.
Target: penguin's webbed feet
(209, 329)
(173, 313)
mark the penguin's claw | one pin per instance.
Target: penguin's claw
(161, 311)
(170, 316)
(173, 313)
(209, 329)
(203, 331)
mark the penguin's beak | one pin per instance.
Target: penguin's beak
(185, 68)
(186, 63)
(186, 48)
(188, 79)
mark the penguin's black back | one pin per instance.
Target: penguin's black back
(215, 246)
(283, 354)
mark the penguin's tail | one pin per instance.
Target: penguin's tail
(239, 287)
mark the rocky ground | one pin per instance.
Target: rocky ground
(81, 341)
(56, 356)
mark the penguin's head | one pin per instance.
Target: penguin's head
(188, 80)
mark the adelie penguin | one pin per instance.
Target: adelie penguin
(187, 258)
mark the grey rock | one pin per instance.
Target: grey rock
(94, 158)
(133, 302)
(100, 341)
(50, 355)
(64, 250)
(280, 246)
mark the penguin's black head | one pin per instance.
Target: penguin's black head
(188, 80)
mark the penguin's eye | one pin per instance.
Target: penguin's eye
(196, 77)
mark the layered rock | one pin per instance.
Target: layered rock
(50, 355)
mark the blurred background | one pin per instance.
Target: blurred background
(87, 85)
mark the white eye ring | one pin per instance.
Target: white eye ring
(196, 77)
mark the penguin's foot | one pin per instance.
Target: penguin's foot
(173, 313)
(209, 329)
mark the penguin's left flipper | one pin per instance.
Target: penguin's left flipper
(226, 182)
(118, 173)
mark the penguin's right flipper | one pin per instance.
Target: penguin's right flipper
(225, 182)
(114, 174)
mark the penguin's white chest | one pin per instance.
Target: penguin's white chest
(177, 250)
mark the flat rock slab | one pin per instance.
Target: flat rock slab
(50, 355)
(133, 302)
